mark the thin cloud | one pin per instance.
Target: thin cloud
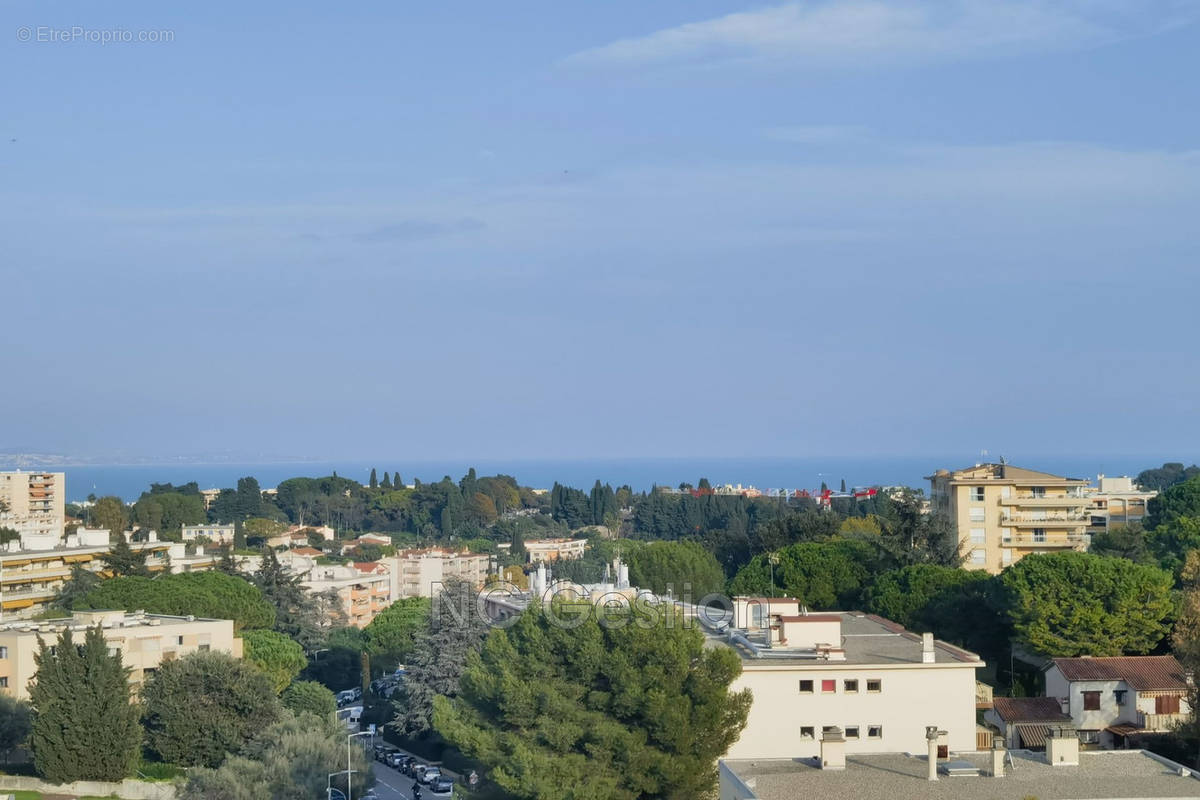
(856, 32)
(412, 230)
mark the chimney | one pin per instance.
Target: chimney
(927, 653)
(1062, 747)
(999, 753)
(932, 737)
(833, 749)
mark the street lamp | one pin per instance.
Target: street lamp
(368, 732)
(329, 790)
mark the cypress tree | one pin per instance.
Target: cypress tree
(387, 481)
(374, 482)
(85, 727)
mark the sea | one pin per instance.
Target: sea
(129, 481)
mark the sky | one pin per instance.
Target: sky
(596, 230)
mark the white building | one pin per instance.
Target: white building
(217, 534)
(417, 573)
(1115, 501)
(1113, 700)
(879, 683)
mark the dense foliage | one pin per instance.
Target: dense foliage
(309, 697)
(610, 712)
(392, 635)
(205, 706)
(214, 595)
(275, 655)
(85, 725)
(16, 723)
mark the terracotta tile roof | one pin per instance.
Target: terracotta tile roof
(1142, 673)
(368, 566)
(1028, 709)
(306, 551)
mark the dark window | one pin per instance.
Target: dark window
(1119, 696)
(807, 732)
(875, 685)
(1091, 701)
(806, 687)
(851, 731)
(850, 686)
(3, 683)
(874, 731)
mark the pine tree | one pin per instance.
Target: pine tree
(123, 560)
(297, 611)
(86, 727)
(374, 480)
(387, 481)
(1185, 642)
(398, 482)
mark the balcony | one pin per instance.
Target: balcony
(1072, 540)
(1160, 722)
(1044, 501)
(1047, 521)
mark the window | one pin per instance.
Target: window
(874, 685)
(1091, 701)
(807, 732)
(806, 687)
(851, 731)
(828, 686)
(178, 640)
(1119, 696)
(1006, 556)
(978, 556)
(1037, 491)
(874, 731)
(4, 683)
(1089, 737)
(978, 514)
(1166, 704)
(826, 728)
(3, 652)
(977, 494)
(850, 686)
(978, 535)
(204, 648)
(1039, 534)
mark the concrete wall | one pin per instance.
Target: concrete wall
(911, 697)
(127, 789)
(732, 787)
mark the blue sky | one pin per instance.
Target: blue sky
(548, 229)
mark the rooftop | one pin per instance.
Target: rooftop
(886, 776)
(1142, 673)
(1028, 709)
(1005, 473)
(81, 620)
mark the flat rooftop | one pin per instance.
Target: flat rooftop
(1111, 774)
(867, 639)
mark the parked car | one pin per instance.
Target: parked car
(441, 787)
(399, 761)
(430, 775)
(384, 752)
(345, 697)
(418, 771)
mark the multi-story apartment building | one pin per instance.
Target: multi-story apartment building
(878, 684)
(32, 503)
(217, 534)
(1003, 513)
(1115, 501)
(145, 641)
(363, 588)
(416, 573)
(540, 550)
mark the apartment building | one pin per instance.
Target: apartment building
(1113, 701)
(364, 589)
(145, 641)
(542, 550)
(1003, 513)
(878, 685)
(416, 573)
(1115, 500)
(33, 503)
(217, 534)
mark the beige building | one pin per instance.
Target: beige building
(415, 573)
(33, 502)
(364, 588)
(145, 641)
(876, 682)
(1003, 513)
(554, 549)
(217, 534)
(1115, 501)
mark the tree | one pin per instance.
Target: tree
(1185, 643)
(678, 567)
(309, 697)
(440, 654)
(297, 613)
(1172, 541)
(392, 635)
(1180, 500)
(214, 595)
(16, 722)
(202, 707)
(1123, 541)
(289, 760)
(123, 561)
(387, 481)
(1076, 604)
(277, 656)
(76, 588)
(110, 513)
(600, 711)
(1166, 476)
(826, 575)
(85, 725)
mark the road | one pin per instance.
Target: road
(392, 785)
